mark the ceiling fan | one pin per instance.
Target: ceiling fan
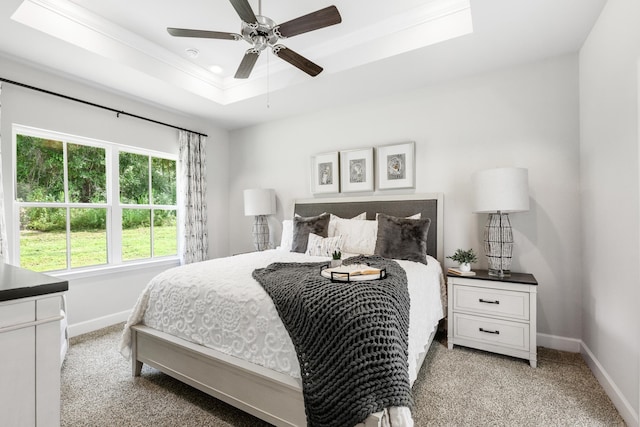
(262, 32)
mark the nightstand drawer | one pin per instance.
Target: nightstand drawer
(491, 331)
(493, 302)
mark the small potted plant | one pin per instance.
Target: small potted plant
(337, 259)
(464, 259)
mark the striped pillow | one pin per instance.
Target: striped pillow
(323, 246)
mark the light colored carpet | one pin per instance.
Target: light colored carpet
(460, 387)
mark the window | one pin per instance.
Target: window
(148, 199)
(85, 203)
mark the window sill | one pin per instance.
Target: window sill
(110, 269)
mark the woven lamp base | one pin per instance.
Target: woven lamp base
(260, 232)
(498, 244)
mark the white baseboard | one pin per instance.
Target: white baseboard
(99, 323)
(574, 345)
(619, 401)
(559, 343)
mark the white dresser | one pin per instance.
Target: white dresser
(494, 314)
(30, 341)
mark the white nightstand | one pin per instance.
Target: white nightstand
(493, 314)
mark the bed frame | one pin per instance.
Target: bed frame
(272, 396)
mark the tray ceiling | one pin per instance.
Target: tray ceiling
(379, 48)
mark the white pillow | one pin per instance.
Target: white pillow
(358, 236)
(332, 222)
(323, 246)
(287, 235)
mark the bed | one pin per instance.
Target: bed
(241, 372)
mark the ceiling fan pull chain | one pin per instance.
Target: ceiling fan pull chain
(268, 74)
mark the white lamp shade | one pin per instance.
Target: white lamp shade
(259, 201)
(502, 189)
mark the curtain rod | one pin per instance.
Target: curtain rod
(118, 112)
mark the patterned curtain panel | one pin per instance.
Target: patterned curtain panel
(4, 251)
(194, 195)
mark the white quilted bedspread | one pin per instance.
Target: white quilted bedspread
(217, 303)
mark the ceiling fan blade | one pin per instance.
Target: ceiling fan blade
(184, 32)
(243, 8)
(246, 66)
(313, 21)
(297, 60)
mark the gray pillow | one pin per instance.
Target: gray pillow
(402, 238)
(302, 226)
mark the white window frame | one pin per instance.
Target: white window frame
(118, 207)
(113, 205)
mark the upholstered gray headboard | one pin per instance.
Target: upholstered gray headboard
(429, 205)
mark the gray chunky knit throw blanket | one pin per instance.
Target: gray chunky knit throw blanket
(351, 338)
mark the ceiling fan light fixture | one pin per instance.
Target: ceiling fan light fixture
(260, 42)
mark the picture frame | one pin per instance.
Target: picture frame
(396, 166)
(356, 170)
(325, 173)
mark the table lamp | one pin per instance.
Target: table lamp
(499, 192)
(260, 202)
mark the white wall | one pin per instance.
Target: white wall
(100, 300)
(610, 201)
(525, 116)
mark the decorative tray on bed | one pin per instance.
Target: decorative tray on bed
(352, 273)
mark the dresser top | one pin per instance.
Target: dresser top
(523, 278)
(16, 283)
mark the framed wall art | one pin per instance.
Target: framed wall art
(325, 175)
(396, 166)
(356, 170)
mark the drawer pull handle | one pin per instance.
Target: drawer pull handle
(489, 332)
(486, 301)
